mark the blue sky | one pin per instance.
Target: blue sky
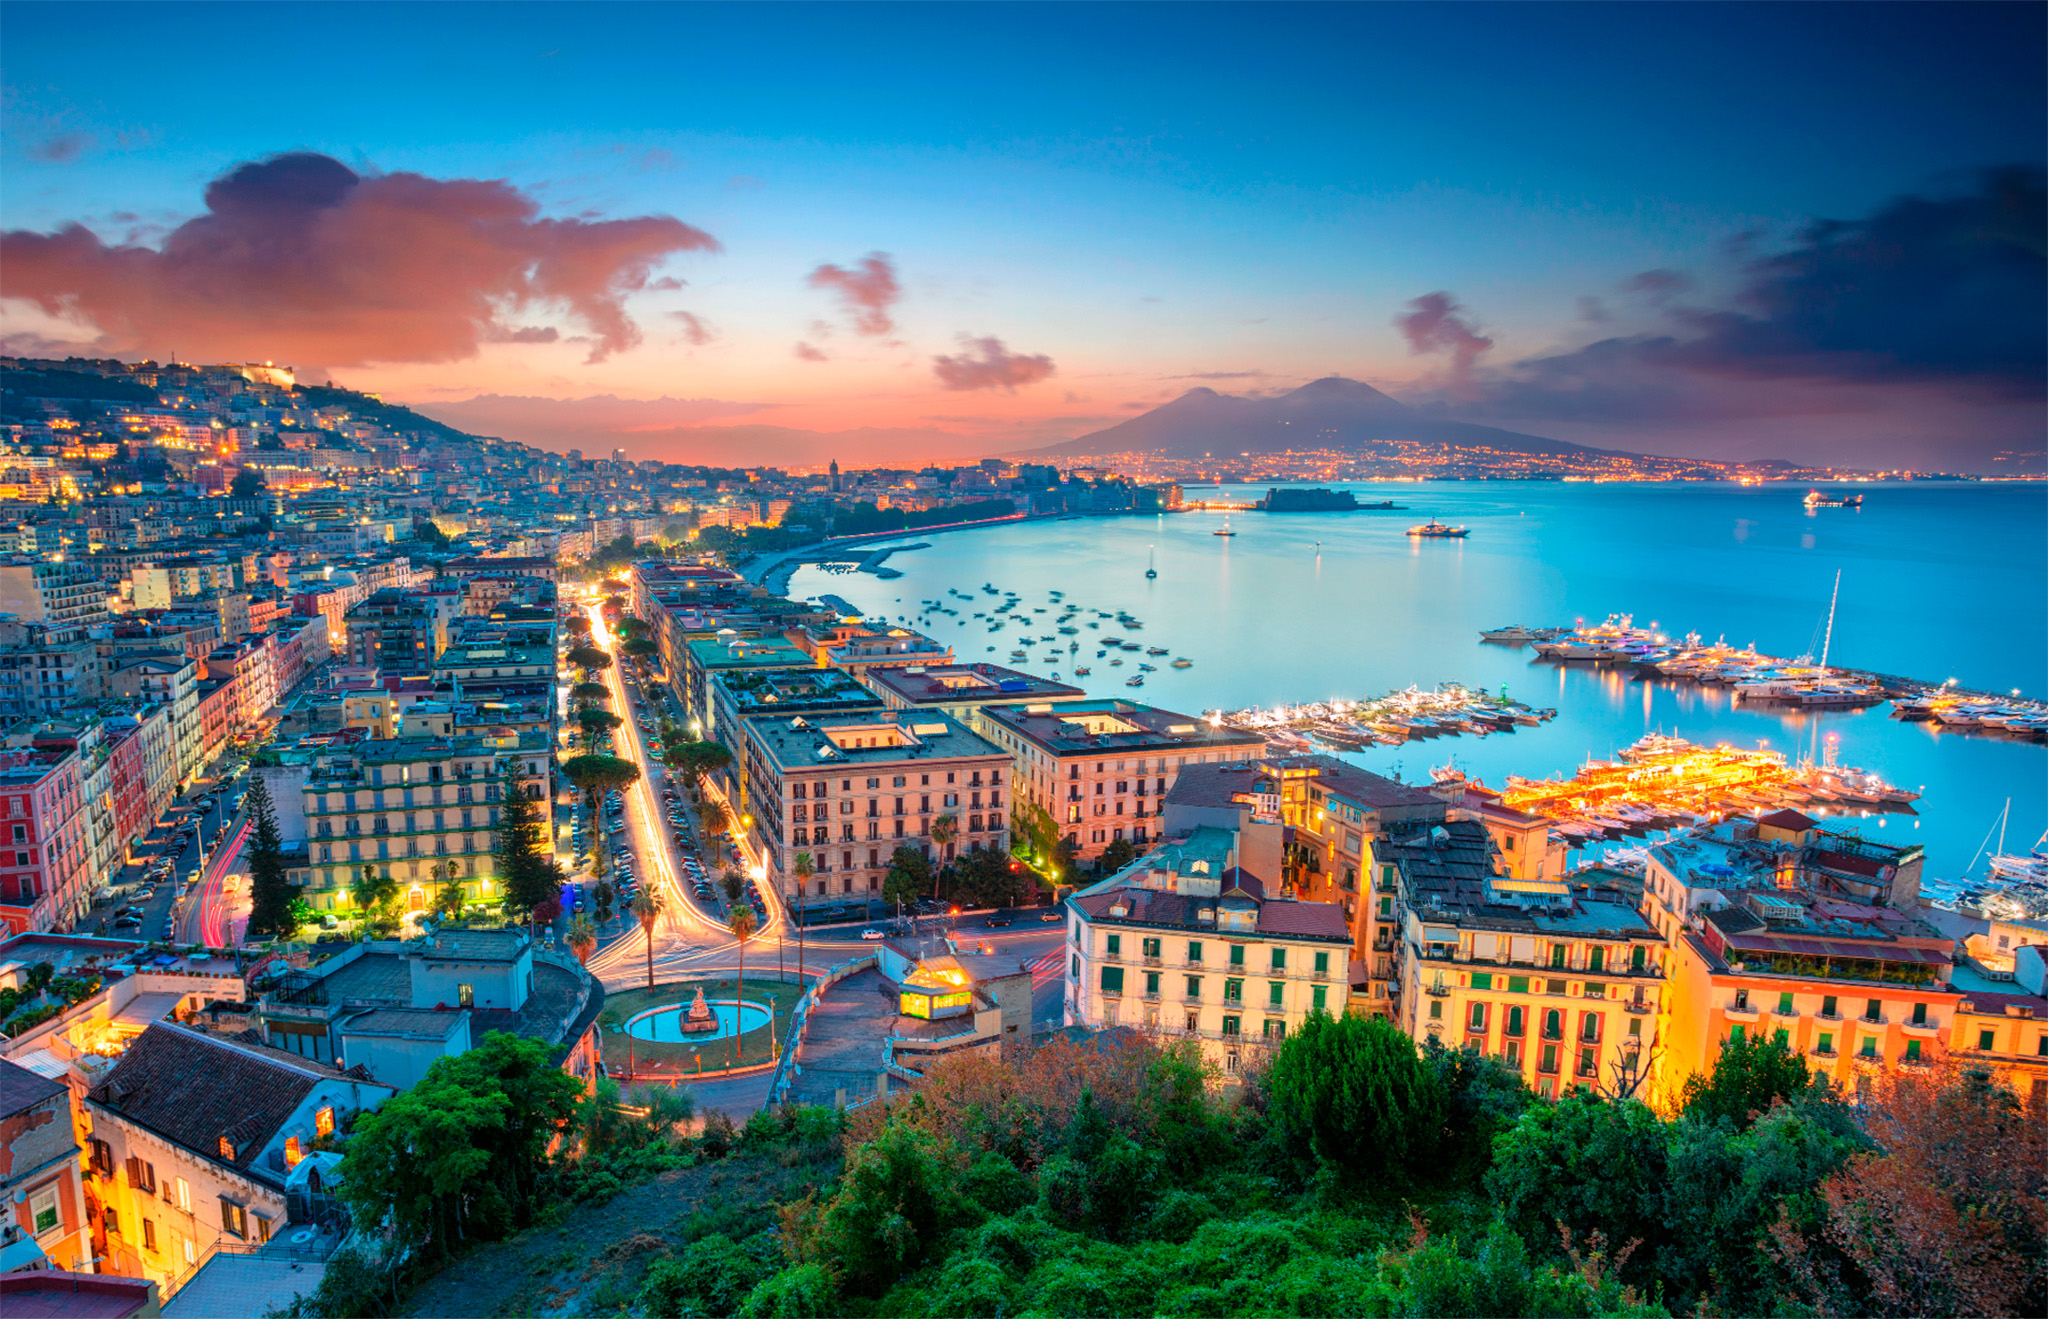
(1139, 193)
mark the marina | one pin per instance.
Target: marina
(1449, 710)
(1664, 782)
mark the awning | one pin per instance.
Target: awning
(145, 1010)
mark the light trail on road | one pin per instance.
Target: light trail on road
(216, 925)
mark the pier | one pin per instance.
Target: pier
(1390, 720)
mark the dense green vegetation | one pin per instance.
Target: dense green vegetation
(1349, 1173)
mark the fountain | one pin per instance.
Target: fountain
(699, 1019)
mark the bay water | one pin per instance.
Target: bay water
(1938, 581)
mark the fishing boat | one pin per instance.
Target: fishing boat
(1158, 650)
(1148, 668)
(1118, 660)
(1183, 663)
(1224, 530)
(1081, 670)
(1435, 530)
(1152, 563)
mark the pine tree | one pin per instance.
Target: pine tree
(270, 894)
(525, 873)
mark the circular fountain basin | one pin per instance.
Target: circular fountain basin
(666, 1024)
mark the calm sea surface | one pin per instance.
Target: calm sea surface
(1937, 581)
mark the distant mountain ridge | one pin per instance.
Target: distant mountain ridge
(1334, 413)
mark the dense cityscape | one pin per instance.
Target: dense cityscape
(357, 762)
(998, 661)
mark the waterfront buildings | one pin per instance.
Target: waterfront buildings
(849, 790)
(1099, 771)
(1187, 942)
(961, 690)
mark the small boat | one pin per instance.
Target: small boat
(1138, 681)
(1224, 530)
(1070, 631)
(1081, 671)
(1148, 668)
(1018, 654)
(1183, 663)
(1118, 660)
(1513, 635)
(1435, 530)
(1158, 650)
(1152, 564)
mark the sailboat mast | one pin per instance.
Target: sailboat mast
(1829, 639)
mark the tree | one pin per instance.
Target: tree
(910, 872)
(698, 760)
(597, 724)
(630, 628)
(1588, 1164)
(1351, 1094)
(588, 693)
(896, 1200)
(945, 829)
(714, 816)
(449, 897)
(461, 1153)
(742, 930)
(637, 648)
(647, 907)
(598, 774)
(1115, 857)
(248, 484)
(733, 885)
(270, 893)
(588, 658)
(1945, 1216)
(801, 868)
(527, 875)
(376, 899)
(604, 895)
(1750, 1075)
(582, 937)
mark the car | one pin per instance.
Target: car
(996, 922)
(127, 922)
(170, 929)
(1048, 916)
(872, 936)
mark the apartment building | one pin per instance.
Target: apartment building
(195, 1138)
(39, 1178)
(1566, 989)
(1101, 770)
(408, 804)
(704, 660)
(959, 690)
(1187, 943)
(45, 856)
(66, 598)
(851, 789)
(812, 694)
(40, 677)
(396, 631)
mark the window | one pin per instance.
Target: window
(1322, 964)
(1319, 998)
(1477, 1021)
(1231, 1025)
(1233, 991)
(466, 995)
(1194, 952)
(142, 1175)
(1827, 1006)
(1276, 993)
(1518, 984)
(1912, 1051)
(1873, 1009)
(1987, 1040)
(184, 1196)
(1589, 1028)
(1194, 986)
(1553, 1025)
(1742, 1000)
(1919, 1014)
(227, 1149)
(42, 1210)
(1514, 1026)
(1869, 1049)
(1112, 980)
(1275, 1030)
(1237, 955)
(1482, 980)
(149, 1234)
(1557, 956)
(1827, 1043)
(1436, 1009)
(292, 1152)
(1150, 947)
(1279, 959)
(1596, 959)
(234, 1220)
(1548, 1061)
(323, 1120)
(1636, 958)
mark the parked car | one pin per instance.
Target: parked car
(872, 936)
(1049, 915)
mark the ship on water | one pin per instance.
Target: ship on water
(1823, 499)
(1435, 530)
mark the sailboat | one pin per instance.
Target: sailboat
(1225, 530)
(1151, 561)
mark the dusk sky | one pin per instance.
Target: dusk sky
(1809, 231)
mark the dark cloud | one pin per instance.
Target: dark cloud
(522, 334)
(1944, 292)
(1434, 324)
(695, 330)
(866, 292)
(61, 149)
(300, 258)
(995, 368)
(1593, 311)
(807, 353)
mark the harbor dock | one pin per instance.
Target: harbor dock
(1449, 710)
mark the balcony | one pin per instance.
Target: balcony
(1639, 1009)
(1151, 959)
(1742, 1012)
(1437, 991)
(1928, 1029)
(1827, 1016)
(1828, 1052)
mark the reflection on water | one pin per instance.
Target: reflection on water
(1938, 581)
(667, 1024)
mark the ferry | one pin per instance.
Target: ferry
(1435, 530)
(1517, 635)
(1821, 499)
(1224, 530)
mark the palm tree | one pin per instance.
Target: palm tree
(803, 868)
(582, 937)
(944, 830)
(448, 896)
(743, 930)
(716, 818)
(647, 906)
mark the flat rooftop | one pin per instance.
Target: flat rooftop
(877, 738)
(1080, 727)
(953, 684)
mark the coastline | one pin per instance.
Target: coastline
(775, 571)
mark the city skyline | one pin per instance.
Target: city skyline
(973, 232)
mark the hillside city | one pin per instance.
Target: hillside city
(434, 857)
